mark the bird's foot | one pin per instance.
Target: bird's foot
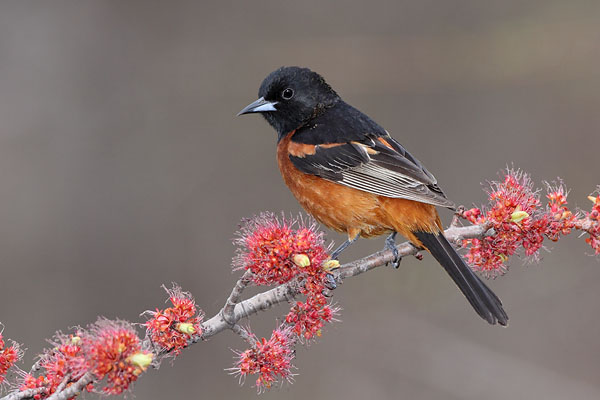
(330, 284)
(390, 244)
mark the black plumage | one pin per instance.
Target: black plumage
(341, 123)
(367, 157)
(483, 300)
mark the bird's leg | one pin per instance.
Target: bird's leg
(330, 284)
(390, 244)
(336, 253)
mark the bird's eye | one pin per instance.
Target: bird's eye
(287, 93)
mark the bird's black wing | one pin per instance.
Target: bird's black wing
(370, 160)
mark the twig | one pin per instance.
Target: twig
(235, 296)
(585, 224)
(74, 389)
(25, 394)
(458, 214)
(244, 334)
(63, 384)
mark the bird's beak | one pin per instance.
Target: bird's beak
(260, 105)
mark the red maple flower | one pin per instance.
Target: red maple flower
(518, 222)
(9, 355)
(513, 205)
(560, 220)
(113, 351)
(64, 362)
(31, 382)
(172, 327)
(594, 217)
(276, 250)
(270, 359)
(273, 249)
(46, 386)
(306, 319)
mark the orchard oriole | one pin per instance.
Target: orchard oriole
(351, 175)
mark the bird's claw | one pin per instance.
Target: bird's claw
(390, 244)
(397, 258)
(330, 282)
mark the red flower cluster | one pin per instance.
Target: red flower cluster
(269, 247)
(41, 382)
(519, 221)
(8, 357)
(65, 357)
(63, 363)
(109, 349)
(513, 215)
(113, 351)
(594, 230)
(270, 359)
(172, 327)
(558, 218)
(307, 318)
(276, 251)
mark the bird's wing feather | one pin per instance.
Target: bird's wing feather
(378, 165)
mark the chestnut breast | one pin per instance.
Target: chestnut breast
(339, 207)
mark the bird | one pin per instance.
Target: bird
(352, 176)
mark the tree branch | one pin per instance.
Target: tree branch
(235, 296)
(288, 291)
(74, 389)
(25, 394)
(244, 334)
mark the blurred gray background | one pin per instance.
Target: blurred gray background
(123, 167)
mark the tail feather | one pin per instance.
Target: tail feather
(483, 300)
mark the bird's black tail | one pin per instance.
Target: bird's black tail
(483, 300)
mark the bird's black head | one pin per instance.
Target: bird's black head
(289, 97)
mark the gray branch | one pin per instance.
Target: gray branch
(288, 291)
(244, 334)
(235, 296)
(25, 394)
(74, 389)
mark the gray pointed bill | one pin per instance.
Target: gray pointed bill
(260, 105)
